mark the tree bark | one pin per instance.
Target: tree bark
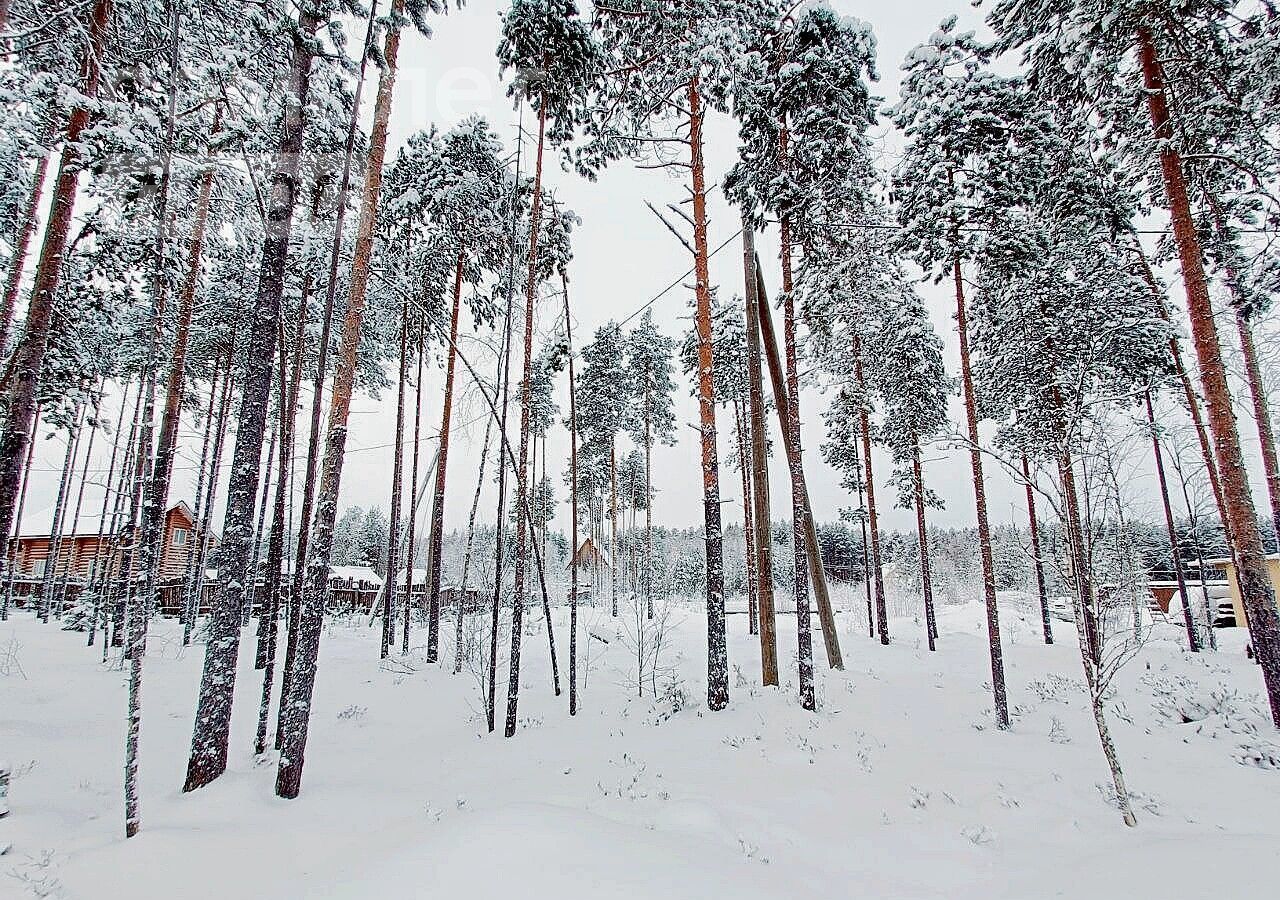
(873, 524)
(1036, 558)
(717, 652)
(302, 675)
(268, 621)
(322, 368)
(1174, 549)
(1262, 418)
(573, 504)
(998, 689)
(922, 535)
(761, 517)
(28, 357)
(437, 504)
(411, 544)
(12, 560)
(213, 714)
(522, 466)
(397, 489)
(1256, 589)
(21, 247)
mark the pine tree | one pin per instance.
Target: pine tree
(1123, 52)
(959, 120)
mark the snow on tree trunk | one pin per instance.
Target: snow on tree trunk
(28, 356)
(573, 503)
(296, 704)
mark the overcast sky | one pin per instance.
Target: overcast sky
(624, 257)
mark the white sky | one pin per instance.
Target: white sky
(623, 257)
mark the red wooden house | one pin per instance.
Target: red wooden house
(79, 554)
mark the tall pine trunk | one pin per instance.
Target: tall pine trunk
(296, 704)
(869, 479)
(217, 686)
(28, 357)
(322, 369)
(573, 504)
(522, 465)
(437, 503)
(748, 529)
(268, 621)
(1256, 589)
(397, 490)
(767, 619)
(922, 535)
(1174, 548)
(1261, 417)
(1037, 559)
(11, 560)
(411, 544)
(998, 689)
(717, 652)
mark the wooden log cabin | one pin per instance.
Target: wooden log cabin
(78, 554)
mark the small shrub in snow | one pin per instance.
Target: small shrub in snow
(1259, 753)
(353, 713)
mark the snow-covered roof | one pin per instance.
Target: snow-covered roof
(38, 523)
(354, 573)
(419, 576)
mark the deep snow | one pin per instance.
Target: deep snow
(898, 786)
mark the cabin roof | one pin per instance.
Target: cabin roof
(39, 524)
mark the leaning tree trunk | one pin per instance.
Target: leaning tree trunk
(767, 619)
(1036, 558)
(922, 535)
(796, 467)
(59, 506)
(1175, 550)
(998, 690)
(1256, 589)
(28, 357)
(437, 503)
(296, 713)
(522, 465)
(217, 686)
(717, 652)
(1261, 416)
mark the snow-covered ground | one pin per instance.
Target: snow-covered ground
(898, 787)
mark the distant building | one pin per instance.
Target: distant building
(78, 555)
